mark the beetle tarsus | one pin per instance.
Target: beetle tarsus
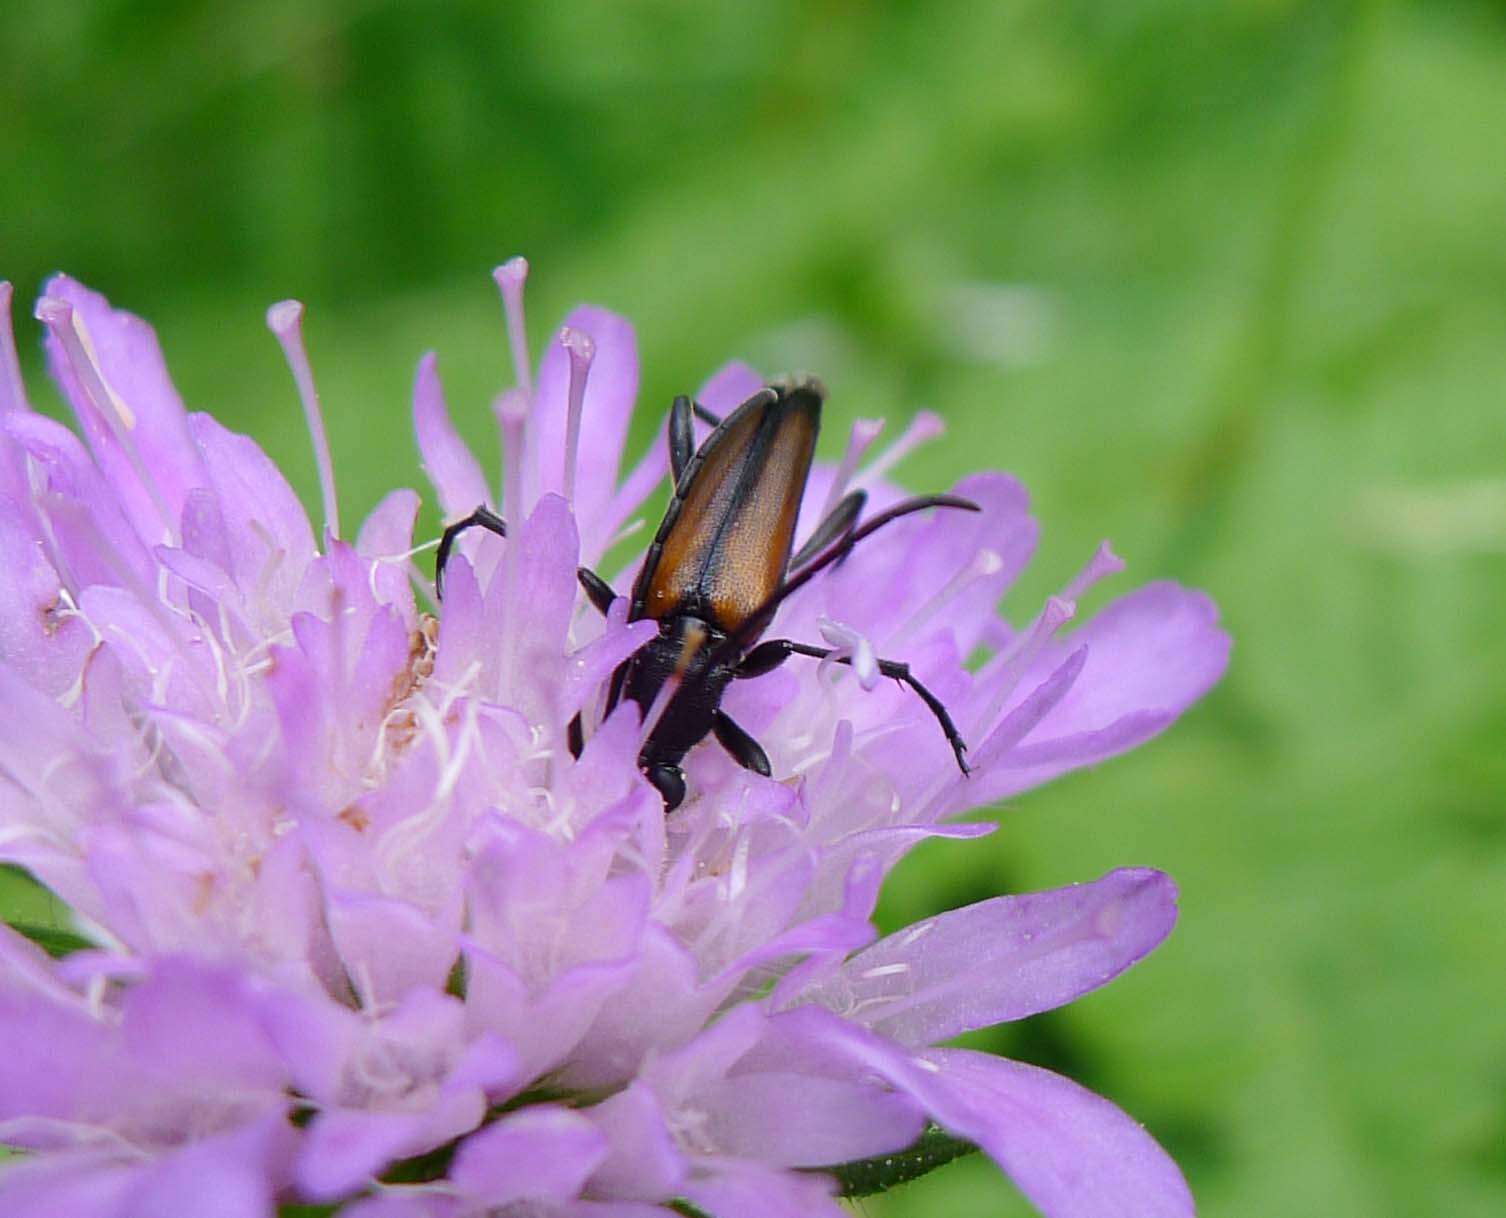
(746, 751)
(669, 781)
(597, 589)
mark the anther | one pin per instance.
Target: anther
(285, 320)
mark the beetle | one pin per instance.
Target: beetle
(718, 568)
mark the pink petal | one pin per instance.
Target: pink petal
(540, 1153)
(732, 1189)
(385, 538)
(39, 636)
(389, 946)
(1074, 1154)
(729, 387)
(230, 1175)
(789, 1119)
(643, 1162)
(271, 543)
(1002, 959)
(1151, 655)
(454, 471)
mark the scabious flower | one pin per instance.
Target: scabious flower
(357, 931)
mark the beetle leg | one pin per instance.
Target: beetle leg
(669, 781)
(746, 751)
(483, 517)
(706, 416)
(597, 589)
(768, 656)
(575, 736)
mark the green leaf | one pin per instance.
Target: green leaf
(865, 1177)
(52, 939)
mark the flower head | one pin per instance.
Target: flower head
(359, 928)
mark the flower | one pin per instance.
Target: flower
(358, 930)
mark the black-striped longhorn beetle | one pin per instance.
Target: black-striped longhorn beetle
(717, 569)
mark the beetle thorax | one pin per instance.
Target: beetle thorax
(682, 652)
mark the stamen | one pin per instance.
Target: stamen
(984, 563)
(864, 433)
(924, 427)
(69, 329)
(511, 409)
(581, 350)
(1103, 563)
(1053, 617)
(12, 388)
(632, 529)
(285, 320)
(510, 277)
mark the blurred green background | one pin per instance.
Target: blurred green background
(1225, 282)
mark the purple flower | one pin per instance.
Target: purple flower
(361, 929)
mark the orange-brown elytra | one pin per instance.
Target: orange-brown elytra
(719, 566)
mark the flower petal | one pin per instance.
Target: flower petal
(1151, 654)
(1074, 1154)
(733, 1189)
(1001, 959)
(541, 1153)
(454, 471)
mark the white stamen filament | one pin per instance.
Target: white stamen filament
(70, 330)
(1103, 564)
(511, 409)
(983, 564)
(510, 278)
(581, 350)
(285, 320)
(924, 427)
(1052, 618)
